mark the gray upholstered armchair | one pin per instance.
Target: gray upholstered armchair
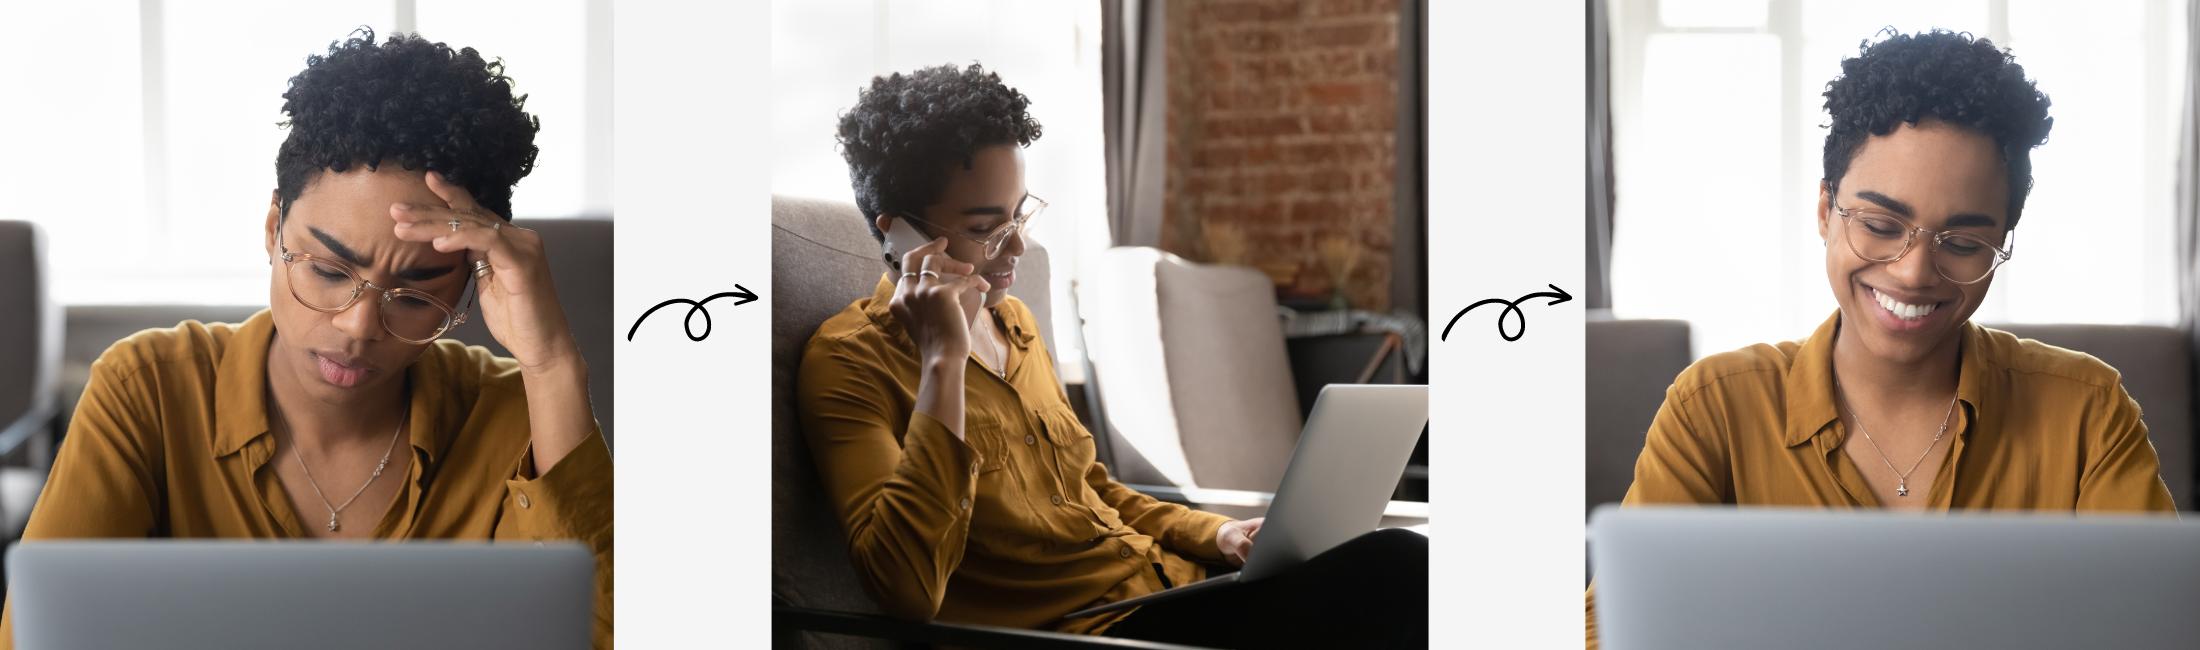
(822, 259)
(30, 369)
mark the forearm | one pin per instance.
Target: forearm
(940, 393)
(559, 416)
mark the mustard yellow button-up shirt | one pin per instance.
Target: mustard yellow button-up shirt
(170, 440)
(1014, 525)
(2040, 428)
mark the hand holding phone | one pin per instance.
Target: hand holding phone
(936, 296)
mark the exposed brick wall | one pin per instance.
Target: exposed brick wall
(1282, 140)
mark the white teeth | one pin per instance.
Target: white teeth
(1903, 310)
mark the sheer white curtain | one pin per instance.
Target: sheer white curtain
(1718, 128)
(141, 135)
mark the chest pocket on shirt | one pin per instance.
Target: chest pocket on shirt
(1073, 455)
(983, 431)
(1073, 447)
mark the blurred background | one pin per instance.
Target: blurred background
(1706, 125)
(1717, 127)
(142, 137)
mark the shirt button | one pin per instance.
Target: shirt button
(523, 503)
(1057, 499)
(1031, 439)
(1125, 552)
(966, 503)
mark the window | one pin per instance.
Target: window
(155, 126)
(825, 52)
(1718, 127)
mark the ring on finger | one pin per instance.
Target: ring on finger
(908, 274)
(495, 226)
(930, 274)
(481, 268)
(454, 223)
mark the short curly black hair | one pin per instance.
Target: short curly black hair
(907, 129)
(1942, 75)
(412, 101)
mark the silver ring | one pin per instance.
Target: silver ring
(496, 226)
(481, 268)
(908, 274)
(930, 274)
(455, 224)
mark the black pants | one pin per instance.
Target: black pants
(1369, 592)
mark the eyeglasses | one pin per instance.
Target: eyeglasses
(330, 286)
(1961, 257)
(997, 240)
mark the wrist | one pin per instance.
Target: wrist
(939, 359)
(943, 366)
(563, 368)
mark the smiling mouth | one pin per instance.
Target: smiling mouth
(1904, 310)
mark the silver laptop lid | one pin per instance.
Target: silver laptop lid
(1347, 463)
(1771, 578)
(237, 594)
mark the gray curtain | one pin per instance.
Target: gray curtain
(1598, 275)
(1135, 117)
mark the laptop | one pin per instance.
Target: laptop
(246, 594)
(1682, 577)
(1347, 463)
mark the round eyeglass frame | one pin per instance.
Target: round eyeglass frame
(996, 241)
(1909, 240)
(452, 317)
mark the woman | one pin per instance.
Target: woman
(968, 489)
(337, 413)
(1898, 401)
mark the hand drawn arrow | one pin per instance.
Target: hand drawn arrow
(1512, 308)
(694, 307)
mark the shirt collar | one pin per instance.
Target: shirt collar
(240, 392)
(1809, 381)
(880, 306)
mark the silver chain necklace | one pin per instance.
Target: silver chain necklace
(984, 361)
(335, 510)
(1901, 488)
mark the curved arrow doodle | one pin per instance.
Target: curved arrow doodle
(687, 324)
(1512, 308)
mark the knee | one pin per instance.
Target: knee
(1398, 540)
(1393, 549)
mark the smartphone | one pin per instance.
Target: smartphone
(901, 237)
